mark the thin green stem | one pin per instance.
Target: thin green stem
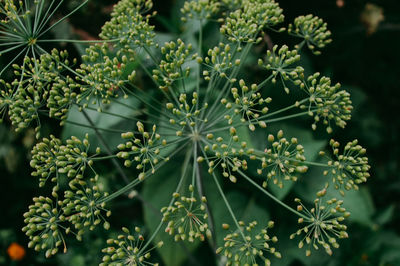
(178, 187)
(13, 60)
(64, 18)
(135, 182)
(108, 150)
(228, 206)
(47, 16)
(269, 194)
(77, 41)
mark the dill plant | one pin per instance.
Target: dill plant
(195, 108)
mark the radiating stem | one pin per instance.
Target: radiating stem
(178, 187)
(228, 206)
(269, 194)
(108, 150)
(137, 181)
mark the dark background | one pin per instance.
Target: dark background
(365, 61)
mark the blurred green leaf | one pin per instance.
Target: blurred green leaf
(102, 120)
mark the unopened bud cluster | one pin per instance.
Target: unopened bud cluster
(51, 157)
(34, 88)
(280, 62)
(186, 114)
(143, 151)
(220, 61)
(245, 24)
(172, 66)
(100, 76)
(350, 168)
(326, 102)
(82, 206)
(187, 218)
(130, 26)
(322, 225)
(313, 30)
(43, 225)
(282, 160)
(251, 246)
(248, 104)
(227, 154)
(199, 10)
(128, 249)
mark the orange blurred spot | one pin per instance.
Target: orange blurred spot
(340, 3)
(16, 251)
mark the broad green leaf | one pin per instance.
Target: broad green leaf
(104, 121)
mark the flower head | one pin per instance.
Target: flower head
(282, 161)
(129, 25)
(248, 104)
(51, 157)
(101, 75)
(244, 24)
(187, 218)
(128, 249)
(84, 205)
(326, 101)
(322, 223)
(313, 30)
(280, 62)
(219, 60)
(172, 66)
(44, 225)
(250, 246)
(350, 167)
(200, 10)
(144, 151)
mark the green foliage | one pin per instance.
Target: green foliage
(204, 108)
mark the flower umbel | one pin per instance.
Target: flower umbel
(350, 168)
(128, 249)
(323, 225)
(187, 218)
(250, 246)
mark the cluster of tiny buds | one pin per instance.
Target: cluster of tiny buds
(227, 155)
(326, 102)
(43, 226)
(187, 218)
(322, 223)
(245, 105)
(84, 206)
(280, 62)
(130, 26)
(171, 67)
(249, 246)
(350, 168)
(101, 75)
(282, 160)
(244, 24)
(220, 60)
(200, 10)
(186, 113)
(51, 157)
(143, 152)
(128, 249)
(313, 30)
